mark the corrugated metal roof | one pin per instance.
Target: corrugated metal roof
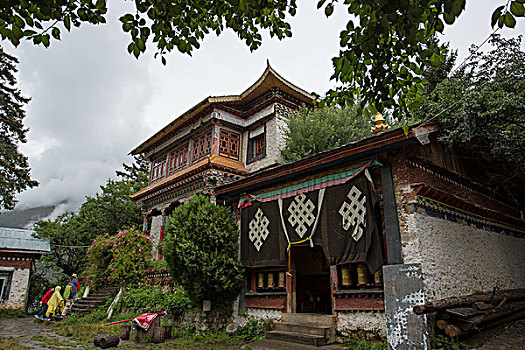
(18, 239)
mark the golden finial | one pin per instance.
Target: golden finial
(380, 125)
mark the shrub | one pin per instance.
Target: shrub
(123, 257)
(201, 248)
(155, 299)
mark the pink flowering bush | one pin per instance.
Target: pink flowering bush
(122, 258)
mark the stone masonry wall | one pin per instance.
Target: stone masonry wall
(154, 233)
(273, 146)
(369, 321)
(18, 292)
(457, 259)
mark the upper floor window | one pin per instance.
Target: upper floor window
(229, 144)
(260, 148)
(178, 159)
(256, 145)
(158, 169)
(202, 146)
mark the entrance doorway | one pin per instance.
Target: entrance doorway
(313, 280)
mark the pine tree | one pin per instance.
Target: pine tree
(14, 168)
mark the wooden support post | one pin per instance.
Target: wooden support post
(334, 285)
(393, 236)
(290, 286)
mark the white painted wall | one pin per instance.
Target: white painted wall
(458, 259)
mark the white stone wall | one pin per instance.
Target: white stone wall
(373, 321)
(273, 145)
(156, 223)
(457, 259)
(18, 292)
(264, 314)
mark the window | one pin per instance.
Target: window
(229, 144)
(256, 145)
(5, 282)
(202, 146)
(158, 169)
(178, 159)
(259, 146)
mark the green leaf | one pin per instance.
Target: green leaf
(517, 9)
(405, 128)
(510, 21)
(495, 15)
(67, 23)
(328, 10)
(56, 33)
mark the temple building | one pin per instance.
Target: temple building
(18, 252)
(354, 237)
(219, 140)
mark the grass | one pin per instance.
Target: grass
(12, 313)
(11, 344)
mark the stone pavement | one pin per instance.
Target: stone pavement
(31, 334)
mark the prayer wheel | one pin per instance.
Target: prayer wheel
(346, 276)
(260, 280)
(378, 277)
(362, 275)
(282, 280)
(270, 280)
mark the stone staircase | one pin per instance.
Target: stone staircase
(308, 329)
(96, 298)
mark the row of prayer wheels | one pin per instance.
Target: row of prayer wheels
(364, 279)
(271, 280)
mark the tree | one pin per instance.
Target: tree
(14, 168)
(382, 52)
(481, 109)
(311, 131)
(106, 212)
(201, 248)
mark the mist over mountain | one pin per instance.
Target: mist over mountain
(26, 218)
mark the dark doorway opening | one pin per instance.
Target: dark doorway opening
(313, 280)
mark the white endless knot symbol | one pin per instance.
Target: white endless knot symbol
(258, 229)
(301, 214)
(354, 214)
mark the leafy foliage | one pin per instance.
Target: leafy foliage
(311, 131)
(155, 299)
(482, 111)
(123, 257)
(201, 249)
(14, 168)
(71, 233)
(384, 46)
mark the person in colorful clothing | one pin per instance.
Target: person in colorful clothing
(55, 305)
(43, 303)
(70, 293)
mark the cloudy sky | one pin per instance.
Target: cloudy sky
(92, 102)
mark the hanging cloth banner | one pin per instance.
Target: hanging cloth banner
(262, 243)
(350, 226)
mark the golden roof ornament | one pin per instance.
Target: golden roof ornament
(380, 125)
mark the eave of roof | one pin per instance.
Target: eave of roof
(13, 239)
(213, 162)
(270, 78)
(355, 151)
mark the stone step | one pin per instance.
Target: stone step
(90, 301)
(316, 320)
(271, 344)
(323, 331)
(307, 339)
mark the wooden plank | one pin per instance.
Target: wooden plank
(403, 290)
(393, 236)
